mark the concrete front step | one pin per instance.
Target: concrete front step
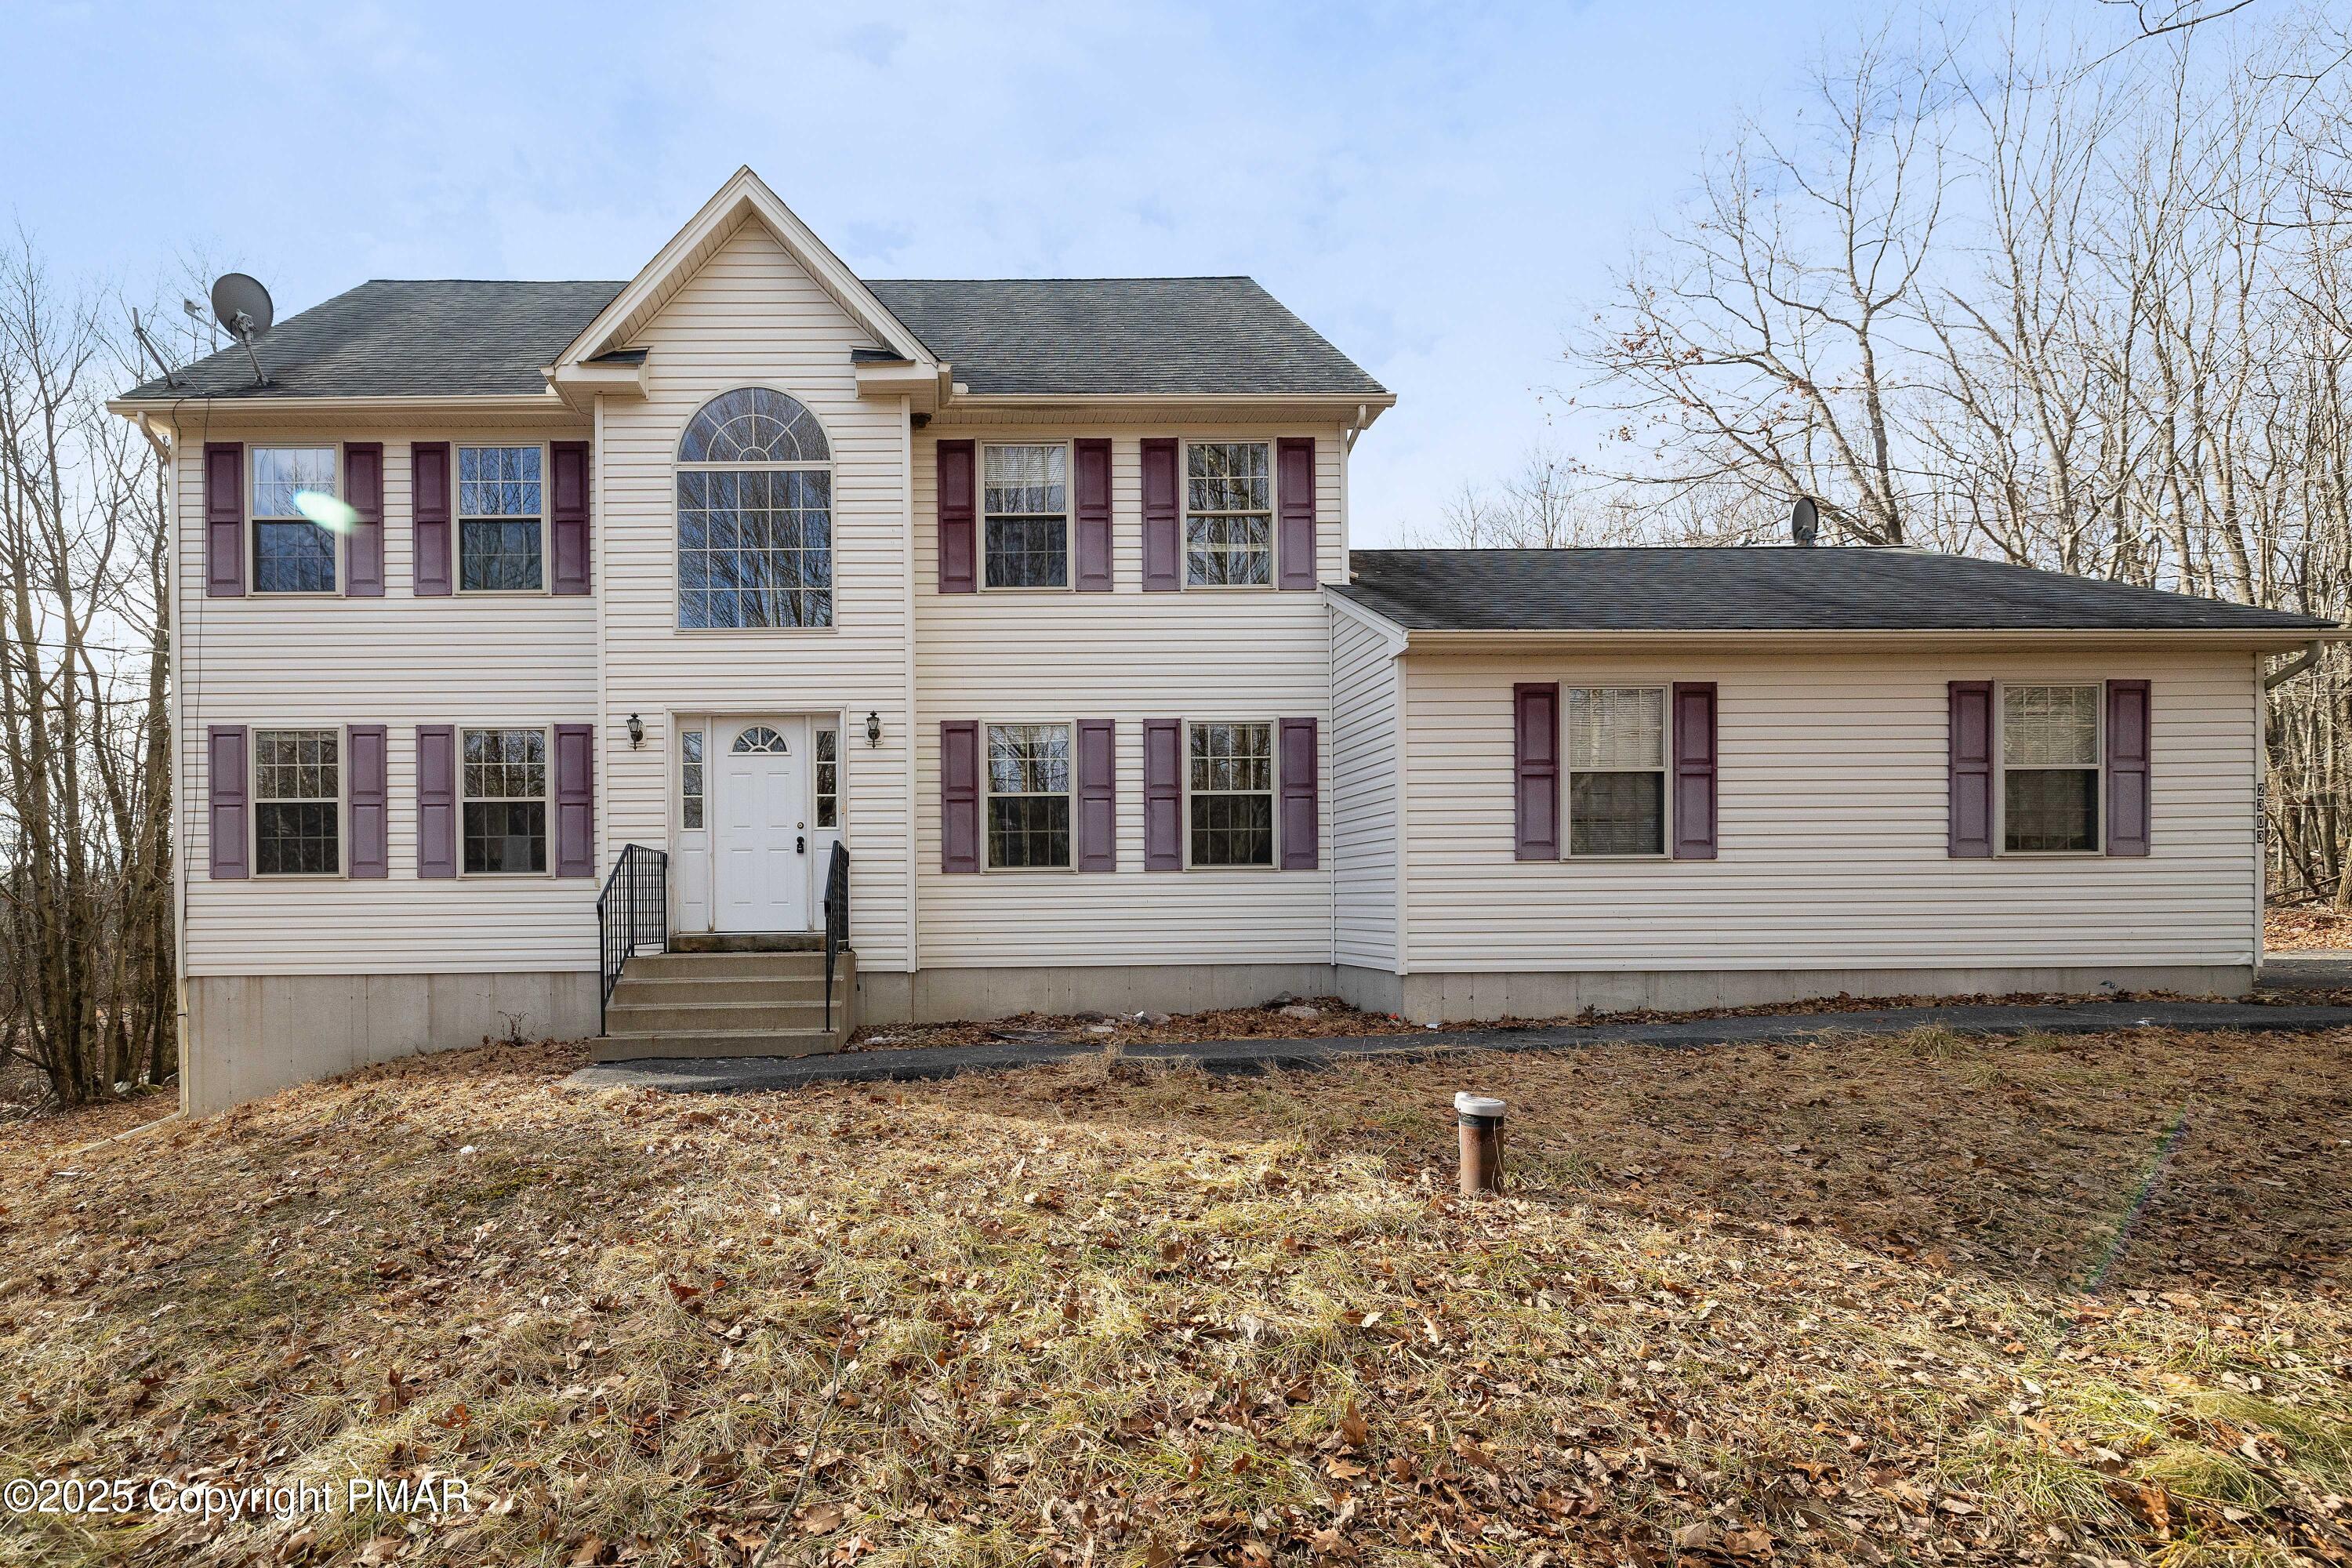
(635, 990)
(683, 1042)
(764, 1002)
(749, 942)
(662, 1017)
(730, 966)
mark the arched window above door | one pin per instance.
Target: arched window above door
(759, 738)
(754, 515)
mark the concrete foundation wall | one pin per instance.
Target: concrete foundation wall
(943, 996)
(1464, 997)
(251, 1035)
(939, 995)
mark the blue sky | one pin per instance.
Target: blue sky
(1438, 190)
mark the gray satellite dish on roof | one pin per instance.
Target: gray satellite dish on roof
(242, 305)
(1805, 521)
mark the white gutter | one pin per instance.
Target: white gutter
(2295, 665)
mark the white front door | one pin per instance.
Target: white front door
(760, 845)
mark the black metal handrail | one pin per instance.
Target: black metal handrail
(836, 919)
(631, 911)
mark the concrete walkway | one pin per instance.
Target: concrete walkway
(725, 1075)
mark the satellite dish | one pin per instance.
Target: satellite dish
(1805, 520)
(242, 305)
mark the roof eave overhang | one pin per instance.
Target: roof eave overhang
(925, 386)
(1354, 409)
(297, 410)
(579, 385)
(2265, 639)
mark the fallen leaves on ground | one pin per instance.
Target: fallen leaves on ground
(2302, 928)
(1749, 1304)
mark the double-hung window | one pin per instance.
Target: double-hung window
(291, 553)
(1616, 770)
(1028, 797)
(296, 803)
(2050, 756)
(505, 802)
(501, 522)
(1026, 516)
(1228, 514)
(1230, 794)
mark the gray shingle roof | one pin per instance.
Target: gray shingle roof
(1169, 335)
(1787, 588)
(453, 337)
(424, 338)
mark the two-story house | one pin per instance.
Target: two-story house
(498, 601)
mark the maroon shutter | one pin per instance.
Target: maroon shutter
(2129, 750)
(958, 552)
(428, 502)
(363, 488)
(1969, 822)
(365, 765)
(1164, 552)
(1163, 796)
(1302, 820)
(575, 800)
(1535, 764)
(436, 800)
(1294, 476)
(225, 757)
(960, 796)
(1694, 770)
(224, 521)
(567, 516)
(1097, 795)
(1091, 486)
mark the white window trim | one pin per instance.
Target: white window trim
(547, 742)
(1273, 527)
(2001, 766)
(988, 791)
(1069, 518)
(253, 803)
(458, 521)
(831, 466)
(1665, 771)
(253, 521)
(1184, 796)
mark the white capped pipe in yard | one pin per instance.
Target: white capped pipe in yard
(1479, 1122)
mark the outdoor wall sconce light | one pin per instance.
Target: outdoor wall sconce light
(636, 731)
(873, 728)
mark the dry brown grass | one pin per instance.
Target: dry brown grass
(1798, 1304)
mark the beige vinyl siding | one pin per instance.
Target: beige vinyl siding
(1365, 783)
(1832, 793)
(1125, 655)
(264, 661)
(753, 316)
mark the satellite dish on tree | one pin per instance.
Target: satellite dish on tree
(1805, 520)
(242, 305)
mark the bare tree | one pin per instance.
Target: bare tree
(86, 982)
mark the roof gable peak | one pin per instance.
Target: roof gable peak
(745, 197)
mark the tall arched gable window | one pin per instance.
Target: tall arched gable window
(754, 515)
